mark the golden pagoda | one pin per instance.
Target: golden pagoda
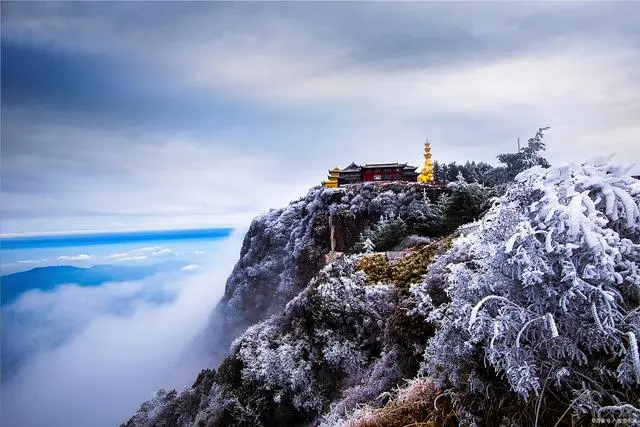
(332, 179)
(426, 174)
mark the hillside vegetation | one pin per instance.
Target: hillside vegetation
(528, 314)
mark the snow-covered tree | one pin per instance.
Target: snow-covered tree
(388, 232)
(527, 157)
(290, 362)
(465, 203)
(368, 246)
(546, 291)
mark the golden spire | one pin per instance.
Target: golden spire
(426, 174)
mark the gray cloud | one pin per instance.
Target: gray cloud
(150, 180)
(326, 84)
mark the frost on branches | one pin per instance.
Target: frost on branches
(546, 290)
(368, 246)
(329, 334)
(285, 248)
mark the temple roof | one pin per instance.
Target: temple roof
(352, 168)
(384, 165)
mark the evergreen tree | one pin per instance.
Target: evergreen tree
(368, 246)
(527, 157)
(470, 172)
(437, 172)
(367, 235)
(484, 170)
(444, 171)
(389, 232)
(417, 217)
(452, 172)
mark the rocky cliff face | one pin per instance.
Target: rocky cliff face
(528, 317)
(316, 330)
(285, 248)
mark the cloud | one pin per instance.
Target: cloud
(190, 267)
(162, 252)
(139, 254)
(132, 258)
(147, 249)
(171, 189)
(32, 261)
(243, 107)
(128, 340)
(80, 257)
(117, 255)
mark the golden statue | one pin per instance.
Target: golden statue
(426, 174)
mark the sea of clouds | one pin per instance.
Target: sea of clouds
(95, 353)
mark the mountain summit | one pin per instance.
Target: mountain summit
(373, 305)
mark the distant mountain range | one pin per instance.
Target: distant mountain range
(48, 278)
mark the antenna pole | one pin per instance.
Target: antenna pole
(518, 145)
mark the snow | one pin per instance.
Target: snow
(553, 287)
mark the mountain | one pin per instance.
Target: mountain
(285, 259)
(48, 278)
(285, 248)
(526, 316)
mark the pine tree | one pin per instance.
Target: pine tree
(452, 172)
(437, 172)
(368, 246)
(527, 157)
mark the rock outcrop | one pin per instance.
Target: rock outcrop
(320, 336)
(285, 248)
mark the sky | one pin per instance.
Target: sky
(156, 115)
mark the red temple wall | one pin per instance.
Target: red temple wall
(391, 174)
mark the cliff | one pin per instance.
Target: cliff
(285, 248)
(527, 316)
(284, 290)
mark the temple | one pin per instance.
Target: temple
(332, 179)
(377, 172)
(380, 172)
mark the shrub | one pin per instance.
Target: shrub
(412, 405)
(386, 233)
(546, 292)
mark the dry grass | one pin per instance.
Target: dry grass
(412, 406)
(421, 404)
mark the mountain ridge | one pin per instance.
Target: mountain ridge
(520, 306)
(48, 277)
(283, 257)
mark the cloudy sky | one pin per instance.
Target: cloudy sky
(126, 115)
